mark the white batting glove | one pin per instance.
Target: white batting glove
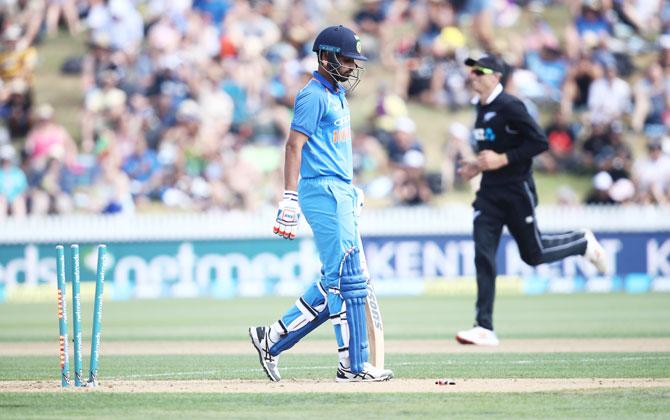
(360, 199)
(288, 216)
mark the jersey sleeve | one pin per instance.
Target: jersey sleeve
(309, 107)
(534, 140)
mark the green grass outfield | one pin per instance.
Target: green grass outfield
(604, 405)
(615, 318)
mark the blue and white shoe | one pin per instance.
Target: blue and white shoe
(269, 363)
(369, 374)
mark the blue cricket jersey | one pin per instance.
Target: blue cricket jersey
(322, 114)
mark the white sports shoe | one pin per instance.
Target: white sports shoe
(269, 363)
(369, 374)
(479, 336)
(595, 252)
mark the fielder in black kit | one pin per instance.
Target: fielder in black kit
(507, 139)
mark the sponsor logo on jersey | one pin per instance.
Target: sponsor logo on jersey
(343, 120)
(484, 134)
(342, 135)
(508, 130)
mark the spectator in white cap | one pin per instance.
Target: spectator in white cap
(404, 140)
(409, 179)
(406, 153)
(602, 182)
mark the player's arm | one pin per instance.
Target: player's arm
(288, 214)
(468, 169)
(292, 158)
(308, 111)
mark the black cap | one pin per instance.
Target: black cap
(488, 62)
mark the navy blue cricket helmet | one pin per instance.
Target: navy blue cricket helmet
(339, 41)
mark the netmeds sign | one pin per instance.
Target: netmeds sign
(174, 269)
(196, 269)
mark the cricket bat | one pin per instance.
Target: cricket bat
(373, 317)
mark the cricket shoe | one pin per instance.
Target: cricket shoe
(595, 252)
(269, 363)
(369, 374)
(478, 336)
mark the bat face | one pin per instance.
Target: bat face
(375, 327)
(373, 309)
(373, 314)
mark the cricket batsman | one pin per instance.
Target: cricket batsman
(318, 176)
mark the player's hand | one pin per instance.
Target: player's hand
(468, 169)
(288, 216)
(490, 161)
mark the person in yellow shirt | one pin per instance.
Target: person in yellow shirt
(17, 60)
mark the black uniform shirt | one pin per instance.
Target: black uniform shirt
(505, 126)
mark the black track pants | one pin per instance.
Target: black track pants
(512, 205)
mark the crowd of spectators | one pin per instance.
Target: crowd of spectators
(186, 103)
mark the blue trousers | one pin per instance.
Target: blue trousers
(328, 205)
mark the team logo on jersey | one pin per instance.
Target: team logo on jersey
(484, 134)
(489, 115)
